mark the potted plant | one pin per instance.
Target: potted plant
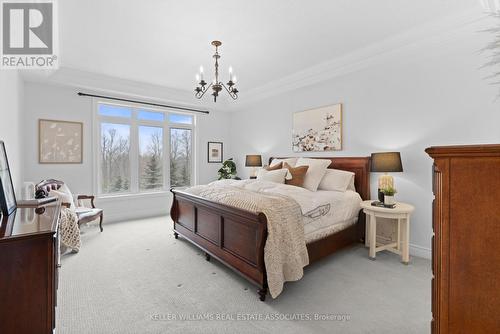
(228, 170)
(389, 193)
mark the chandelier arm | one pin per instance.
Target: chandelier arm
(199, 96)
(230, 92)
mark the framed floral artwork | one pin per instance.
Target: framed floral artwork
(60, 142)
(318, 130)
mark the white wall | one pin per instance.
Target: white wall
(433, 93)
(11, 132)
(430, 91)
(47, 101)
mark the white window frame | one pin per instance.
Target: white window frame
(135, 123)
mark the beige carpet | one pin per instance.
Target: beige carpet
(136, 278)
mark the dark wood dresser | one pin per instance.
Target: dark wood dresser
(466, 241)
(29, 262)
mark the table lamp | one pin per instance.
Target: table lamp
(385, 162)
(253, 161)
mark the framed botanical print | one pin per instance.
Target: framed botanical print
(60, 142)
(215, 152)
(318, 130)
(7, 195)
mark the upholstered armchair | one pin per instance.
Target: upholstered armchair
(84, 206)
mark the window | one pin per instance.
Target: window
(180, 156)
(114, 111)
(150, 116)
(151, 157)
(181, 119)
(143, 150)
(115, 158)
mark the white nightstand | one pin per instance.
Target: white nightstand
(401, 213)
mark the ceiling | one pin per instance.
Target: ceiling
(164, 42)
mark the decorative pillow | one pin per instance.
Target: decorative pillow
(274, 167)
(316, 171)
(351, 185)
(290, 161)
(336, 179)
(298, 174)
(277, 176)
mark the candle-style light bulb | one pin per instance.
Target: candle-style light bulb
(230, 73)
(201, 72)
(197, 78)
(234, 79)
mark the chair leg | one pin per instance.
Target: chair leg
(100, 221)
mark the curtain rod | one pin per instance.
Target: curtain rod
(142, 102)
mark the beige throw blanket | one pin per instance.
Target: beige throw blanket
(285, 252)
(69, 230)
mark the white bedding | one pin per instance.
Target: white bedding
(324, 212)
(343, 207)
(344, 211)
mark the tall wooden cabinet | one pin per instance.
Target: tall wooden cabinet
(29, 263)
(466, 241)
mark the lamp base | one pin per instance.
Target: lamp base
(385, 181)
(253, 174)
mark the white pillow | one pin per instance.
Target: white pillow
(315, 172)
(64, 194)
(290, 161)
(351, 185)
(336, 179)
(277, 176)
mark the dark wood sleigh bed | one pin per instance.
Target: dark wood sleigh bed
(237, 237)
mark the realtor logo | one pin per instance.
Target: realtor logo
(28, 35)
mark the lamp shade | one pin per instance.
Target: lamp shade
(386, 162)
(253, 161)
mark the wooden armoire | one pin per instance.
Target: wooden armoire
(466, 241)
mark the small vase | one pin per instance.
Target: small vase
(380, 196)
(389, 200)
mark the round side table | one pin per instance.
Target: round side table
(401, 213)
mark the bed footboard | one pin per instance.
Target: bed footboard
(235, 237)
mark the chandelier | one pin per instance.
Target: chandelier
(216, 85)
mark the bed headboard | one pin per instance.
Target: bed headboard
(360, 166)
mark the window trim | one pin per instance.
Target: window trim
(135, 123)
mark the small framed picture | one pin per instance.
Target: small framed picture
(215, 152)
(7, 195)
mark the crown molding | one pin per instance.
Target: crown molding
(99, 83)
(438, 31)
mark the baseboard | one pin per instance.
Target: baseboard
(114, 217)
(420, 251)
